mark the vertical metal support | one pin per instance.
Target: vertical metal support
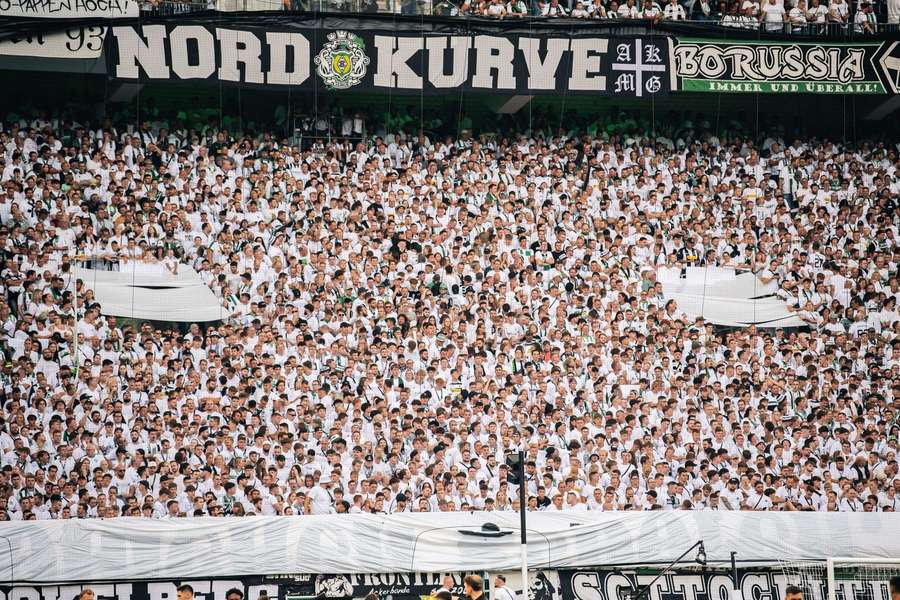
(832, 585)
(736, 582)
(523, 505)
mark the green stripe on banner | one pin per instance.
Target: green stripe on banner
(781, 87)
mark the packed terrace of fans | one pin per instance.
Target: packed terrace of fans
(404, 311)
(801, 17)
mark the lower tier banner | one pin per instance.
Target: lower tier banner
(685, 583)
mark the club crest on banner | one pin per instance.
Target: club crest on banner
(342, 61)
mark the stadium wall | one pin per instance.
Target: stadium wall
(50, 552)
(565, 584)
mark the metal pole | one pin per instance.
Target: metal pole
(524, 538)
(638, 594)
(832, 584)
(734, 572)
(75, 331)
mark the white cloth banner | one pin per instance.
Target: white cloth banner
(69, 9)
(744, 286)
(724, 298)
(77, 42)
(767, 312)
(190, 304)
(133, 548)
(141, 274)
(149, 291)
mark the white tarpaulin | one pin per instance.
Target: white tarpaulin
(744, 286)
(131, 548)
(181, 304)
(722, 297)
(141, 274)
(765, 312)
(70, 9)
(149, 291)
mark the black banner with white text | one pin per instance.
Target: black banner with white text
(376, 60)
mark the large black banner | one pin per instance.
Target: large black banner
(569, 584)
(251, 588)
(594, 584)
(341, 60)
(387, 586)
(715, 584)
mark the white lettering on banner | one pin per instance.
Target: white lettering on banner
(206, 52)
(161, 590)
(279, 45)
(240, 47)
(459, 52)
(614, 583)
(542, 74)
(656, 587)
(640, 70)
(587, 54)
(624, 83)
(756, 585)
(69, 9)
(23, 593)
(77, 42)
(586, 586)
(761, 62)
(690, 585)
(720, 586)
(393, 69)
(135, 52)
(494, 54)
(258, 57)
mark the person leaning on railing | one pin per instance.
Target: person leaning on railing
(701, 10)
(553, 9)
(579, 12)
(673, 11)
(517, 8)
(816, 15)
(772, 15)
(838, 13)
(797, 17)
(866, 22)
(651, 11)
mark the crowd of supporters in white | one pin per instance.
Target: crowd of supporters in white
(405, 311)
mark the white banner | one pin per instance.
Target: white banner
(131, 548)
(77, 42)
(69, 9)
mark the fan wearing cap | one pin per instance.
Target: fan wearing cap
(732, 496)
(320, 499)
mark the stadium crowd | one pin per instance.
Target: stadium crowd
(804, 17)
(405, 310)
(791, 16)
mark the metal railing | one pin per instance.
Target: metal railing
(448, 8)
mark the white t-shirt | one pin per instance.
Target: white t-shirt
(320, 500)
(816, 14)
(774, 13)
(674, 12)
